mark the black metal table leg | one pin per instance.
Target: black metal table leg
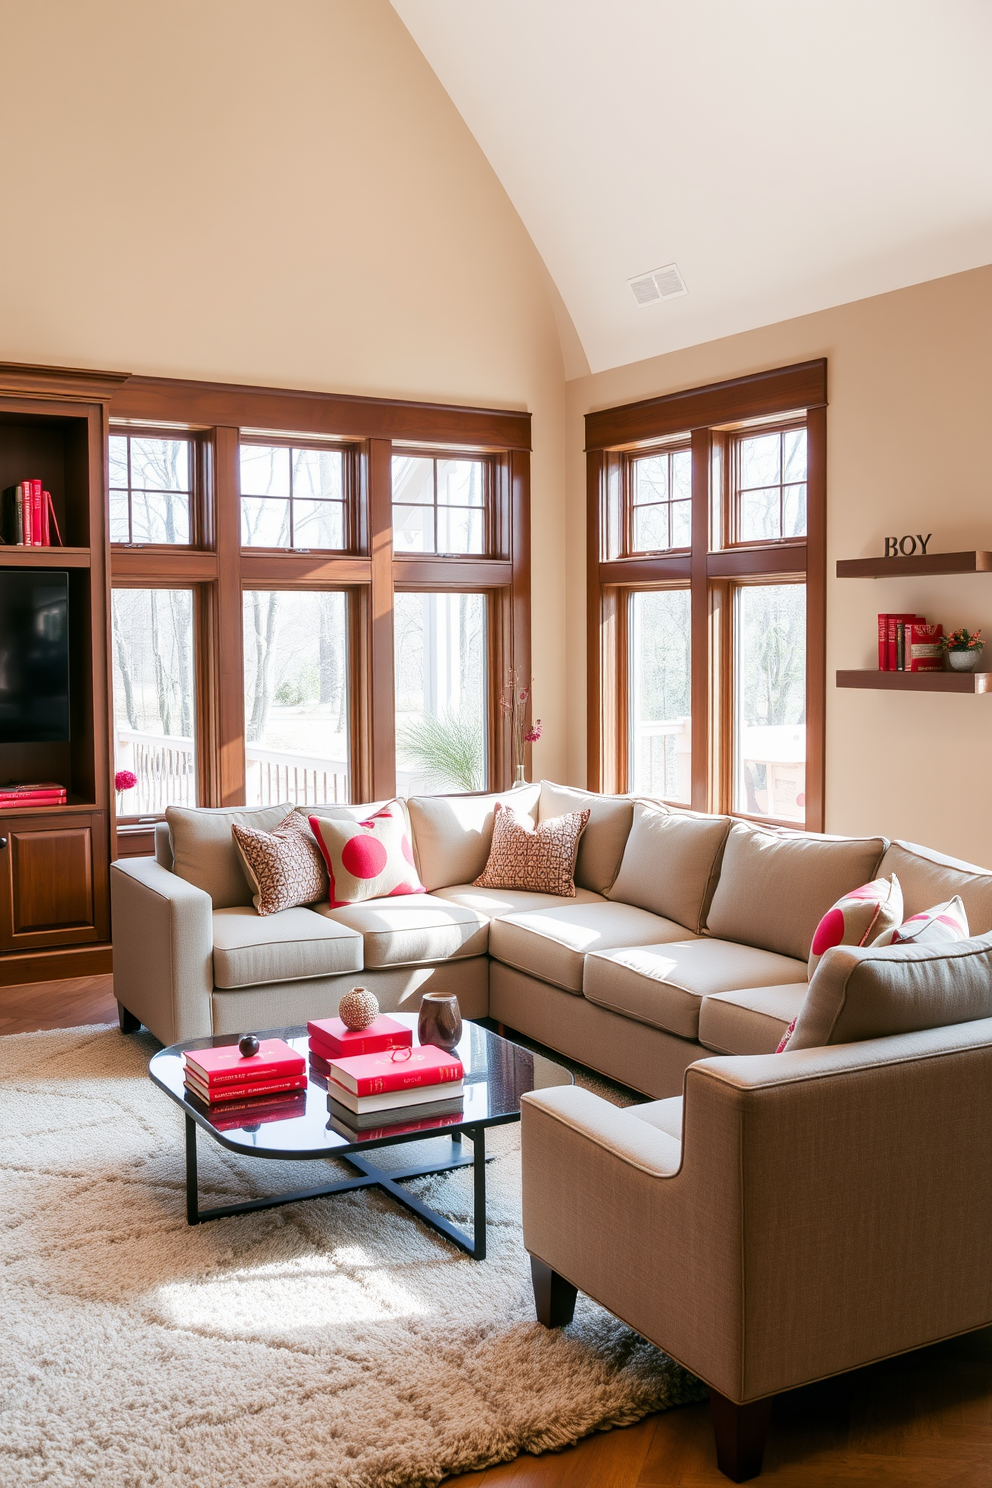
(479, 1176)
(192, 1198)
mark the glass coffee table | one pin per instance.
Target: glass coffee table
(306, 1125)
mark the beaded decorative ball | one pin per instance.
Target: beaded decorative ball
(358, 1008)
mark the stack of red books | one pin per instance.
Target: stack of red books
(218, 1076)
(330, 1039)
(396, 1085)
(27, 516)
(45, 793)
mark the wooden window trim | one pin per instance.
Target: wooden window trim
(220, 417)
(713, 566)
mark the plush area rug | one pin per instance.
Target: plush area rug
(337, 1343)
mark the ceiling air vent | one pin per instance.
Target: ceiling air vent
(660, 284)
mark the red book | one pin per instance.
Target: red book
(227, 1065)
(46, 538)
(34, 801)
(893, 621)
(883, 643)
(36, 513)
(27, 510)
(258, 1111)
(213, 1093)
(331, 1039)
(41, 788)
(924, 652)
(54, 519)
(379, 1074)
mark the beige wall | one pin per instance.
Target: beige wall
(910, 391)
(277, 193)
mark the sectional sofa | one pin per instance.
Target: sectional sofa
(688, 934)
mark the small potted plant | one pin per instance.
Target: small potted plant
(962, 647)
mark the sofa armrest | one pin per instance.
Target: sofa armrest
(163, 949)
(614, 1128)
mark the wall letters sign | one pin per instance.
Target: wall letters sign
(905, 547)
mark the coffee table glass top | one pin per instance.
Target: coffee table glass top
(304, 1124)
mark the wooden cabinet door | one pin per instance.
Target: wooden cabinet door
(53, 872)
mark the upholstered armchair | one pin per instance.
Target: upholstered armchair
(811, 1212)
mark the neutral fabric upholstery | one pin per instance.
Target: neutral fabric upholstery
(553, 943)
(664, 984)
(203, 848)
(602, 843)
(827, 1208)
(671, 862)
(775, 887)
(250, 948)
(163, 970)
(493, 902)
(750, 1020)
(412, 928)
(452, 834)
(666, 1115)
(163, 846)
(865, 993)
(928, 878)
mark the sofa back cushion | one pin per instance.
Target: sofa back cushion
(602, 843)
(776, 886)
(871, 992)
(928, 877)
(452, 834)
(203, 850)
(671, 862)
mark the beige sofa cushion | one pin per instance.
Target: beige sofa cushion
(663, 985)
(864, 993)
(452, 834)
(665, 1115)
(928, 878)
(203, 849)
(671, 862)
(294, 943)
(493, 902)
(602, 843)
(775, 887)
(749, 1021)
(413, 928)
(552, 944)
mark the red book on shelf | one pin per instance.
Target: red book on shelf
(214, 1093)
(893, 622)
(36, 513)
(46, 536)
(34, 801)
(53, 519)
(31, 788)
(228, 1066)
(27, 509)
(393, 1069)
(331, 1039)
(924, 652)
(883, 643)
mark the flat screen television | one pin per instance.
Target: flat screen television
(34, 657)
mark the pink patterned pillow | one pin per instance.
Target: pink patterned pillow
(946, 921)
(858, 918)
(538, 858)
(370, 859)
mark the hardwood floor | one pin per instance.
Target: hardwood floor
(921, 1421)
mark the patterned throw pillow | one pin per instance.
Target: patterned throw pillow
(283, 866)
(370, 859)
(538, 858)
(858, 918)
(946, 921)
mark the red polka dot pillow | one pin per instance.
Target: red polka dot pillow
(370, 859)
(858, 918)
(946, 921)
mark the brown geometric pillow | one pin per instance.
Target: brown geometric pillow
(541, 859)
(284, 866)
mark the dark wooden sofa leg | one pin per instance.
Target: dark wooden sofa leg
(128, 1022)
(740, 1432)
(554, 1297)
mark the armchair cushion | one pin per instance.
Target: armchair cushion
(203, 848)
(552, 944)
(664, 985)
(776, 886)
(283, 947)
(670, 863)
(411, 929)
(452, 834)
(602, 843)
(750, 1020)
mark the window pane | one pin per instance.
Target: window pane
(681, 524)
(159, 517)
(759, 515)
(794, 457)
(159, 464)
(413, 529)
(264, 470)
(118, 460)
(660, 687)
(318, 524)
(119, 532)
(264, 522)
(459, 530)
(651, 479)
(150, 496)
(154, 696)
(770, 701)
(318, 474)
(760, 460)
(650, 534)
(296, 697)
(682, 475)
(413, 480)
(794, 511)
(459, 483)
(440, 692)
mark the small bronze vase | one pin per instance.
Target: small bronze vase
(440, 1020)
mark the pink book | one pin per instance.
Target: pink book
(331, 1039)
(36, 513)
(395, 1069)
(212, 1093)
(227, 1065)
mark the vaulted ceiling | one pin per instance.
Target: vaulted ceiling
(787, 155)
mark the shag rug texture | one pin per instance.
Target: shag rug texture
(337, 1343)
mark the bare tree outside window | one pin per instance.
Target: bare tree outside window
(154, 693)
(770, 701)
(150, 490)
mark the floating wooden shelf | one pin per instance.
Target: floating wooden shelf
(12, 556)
(927, 563)
(918, 681)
